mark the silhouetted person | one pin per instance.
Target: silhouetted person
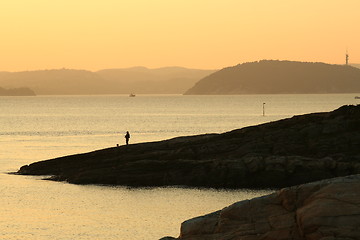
(127, 137)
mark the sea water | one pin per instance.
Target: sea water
(44, 127)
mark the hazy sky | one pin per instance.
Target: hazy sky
(97, 34)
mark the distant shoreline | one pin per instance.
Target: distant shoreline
(186, 95)
(11, 92)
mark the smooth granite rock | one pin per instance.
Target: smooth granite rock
(278, 154)
(323, 210)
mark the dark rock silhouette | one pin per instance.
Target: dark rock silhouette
(275, 77)
(327, 210)
(17, 92)
(273, 155)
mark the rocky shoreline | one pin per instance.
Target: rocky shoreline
(278, 154)
(324, 210)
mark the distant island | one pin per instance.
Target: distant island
(139, 80)
(280, 77)
(17, 92)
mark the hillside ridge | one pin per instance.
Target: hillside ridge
(279, 77)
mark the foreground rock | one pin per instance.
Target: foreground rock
(278, 154)
(327, 210)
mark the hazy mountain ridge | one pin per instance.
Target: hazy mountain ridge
(280, 77)
(108, 81)
(159, 80)
(59, 81)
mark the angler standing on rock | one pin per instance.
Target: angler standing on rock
(127, 137)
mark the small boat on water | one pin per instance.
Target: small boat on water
(132, 95)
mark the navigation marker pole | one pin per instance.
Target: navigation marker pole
(263, 109)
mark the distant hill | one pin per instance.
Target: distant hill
(16, 92)
(140, 80)
(274, 77)
(48, 82)
(160, 80)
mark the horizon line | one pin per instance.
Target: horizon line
(156, 68)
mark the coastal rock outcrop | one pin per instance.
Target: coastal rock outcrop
(323, 210)
(278, 154)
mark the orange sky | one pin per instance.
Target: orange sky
(209, 34)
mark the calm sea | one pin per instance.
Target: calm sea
(43, 127)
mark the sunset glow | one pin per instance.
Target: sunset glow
(208, 34)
